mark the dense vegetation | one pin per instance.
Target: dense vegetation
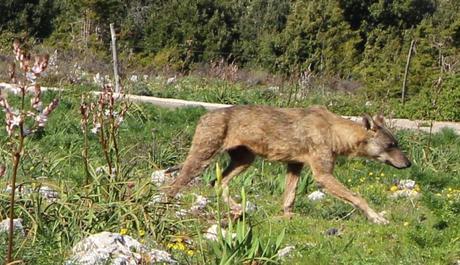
(103, 176)
(363, 42)
(421, 231)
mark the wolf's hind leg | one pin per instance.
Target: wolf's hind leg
(292, 178)
(241, 159)
(207, 142)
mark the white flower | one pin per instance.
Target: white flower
(119, 120)
(31, 76)
(16, 120)
(134, 78)
(41, 120)
(96, 128)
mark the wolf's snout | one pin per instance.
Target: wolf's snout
(400, 163)
(403, 165)
(395, 158)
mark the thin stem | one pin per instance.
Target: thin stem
(85, 154)
(104, 147)
(16, 159)
(115, 145)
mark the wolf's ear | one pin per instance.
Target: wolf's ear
(379, 120)
(367, 122)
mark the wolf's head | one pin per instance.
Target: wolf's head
(381, 145)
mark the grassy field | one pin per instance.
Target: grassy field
(421, 231)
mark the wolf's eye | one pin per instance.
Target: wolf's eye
(392, 145)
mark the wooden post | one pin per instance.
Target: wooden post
(409, 56)
(115, 59)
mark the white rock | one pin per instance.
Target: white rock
(17, 226)
(285, 251)
(181, 213)
(405, 193)
(200, 203)
(406, 184)
(171, 80)
(316, 196)
(48, 193)
(20, 190)
(250, 207)
(158, 198)
(116, 249)
(212, 233)
(158, 177)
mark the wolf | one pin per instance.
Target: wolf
(311, 136)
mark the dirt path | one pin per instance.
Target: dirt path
(407, 124)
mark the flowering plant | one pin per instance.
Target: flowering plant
(22, 121)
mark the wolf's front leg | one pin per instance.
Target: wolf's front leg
(322, 172)
(337, 189)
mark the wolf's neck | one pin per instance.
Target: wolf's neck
(347, 137)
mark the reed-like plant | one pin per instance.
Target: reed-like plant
(23, 120)
(106, 115)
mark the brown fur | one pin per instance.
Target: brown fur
(295, 136)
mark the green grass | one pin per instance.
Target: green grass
(290, 94)
(423, 231)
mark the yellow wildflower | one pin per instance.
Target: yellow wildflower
(170, 245)
(406, 223)
(141, 232)
(123, 231)
(417, 188)
(394, 188)
(190, 252)
(180, 246)
(371, 173)
(382, 174)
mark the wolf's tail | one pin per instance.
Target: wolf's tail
(207, 142)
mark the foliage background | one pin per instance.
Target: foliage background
(362, 42)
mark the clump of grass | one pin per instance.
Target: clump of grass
(241, 244)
